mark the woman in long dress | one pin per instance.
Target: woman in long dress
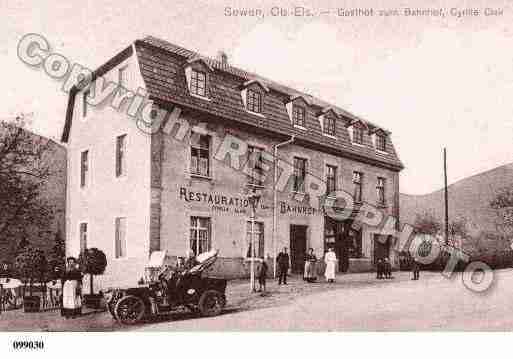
(310, 272)
(331, 261)
(71, 290)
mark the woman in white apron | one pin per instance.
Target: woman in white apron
(331, 261)
(71, 290)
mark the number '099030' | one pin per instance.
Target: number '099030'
(28, 345)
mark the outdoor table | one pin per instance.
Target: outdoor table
(12, 285)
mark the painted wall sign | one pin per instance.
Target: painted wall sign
(288, 209)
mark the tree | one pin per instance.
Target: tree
(31, 266)
(57, 257)
(458, 229)
(503, 204)
(426, 223)
(22, 173)
(93, 262)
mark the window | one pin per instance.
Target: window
(122, 76)
(358, 134)
(298, 116)
(299, 174)
(254, 101)
(200, 235)
(257, 230)
(120, 155)
(255, 159)
(84, 168)
(381, 142)
(380, 190)
(329, 126)
(331, 179)
(120, 239)
(198, 83)
(357, 182)
(84, 103)
(200, 155)
(355, 243)
(83, 237)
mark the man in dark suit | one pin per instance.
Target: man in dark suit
(415, 268)
(379, 269)
(283, 263)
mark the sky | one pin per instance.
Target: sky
(433, 82)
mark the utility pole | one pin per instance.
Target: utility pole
(253, 200)
(446, 199)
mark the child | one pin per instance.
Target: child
(379, 269)
(388, 269)
(262, 275)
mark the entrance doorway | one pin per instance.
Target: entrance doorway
(297, 247)
(335, 237)
(381, 247)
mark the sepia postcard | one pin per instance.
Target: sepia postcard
(258, 167)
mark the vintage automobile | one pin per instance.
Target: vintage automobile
(189, 289)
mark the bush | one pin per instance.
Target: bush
(93, 262)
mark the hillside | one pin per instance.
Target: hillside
(469, 198)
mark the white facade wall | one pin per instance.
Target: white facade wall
(106, 196)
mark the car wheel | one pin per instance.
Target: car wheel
(211, 303)
(129, 310)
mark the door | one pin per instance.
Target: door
(297, 247)
(381, 248)
(334, 237)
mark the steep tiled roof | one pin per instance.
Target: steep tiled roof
(162, 68)
(161, 65)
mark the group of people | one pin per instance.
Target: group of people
(383, 269)
(310, 266)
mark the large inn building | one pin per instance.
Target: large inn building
(184, 187)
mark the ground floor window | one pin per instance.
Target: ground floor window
(201, 233)
(257, 230)
(120, 238)
(354, 240)
(83, 237)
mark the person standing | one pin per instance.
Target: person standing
(283, 263)
(331, 262)
(387, 267)
(379, 269)
(415, 268)
(191, 261)
(310, 261)
(71, 290)
(262, 274)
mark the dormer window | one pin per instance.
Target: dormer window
(329, 126)
(197, 73)
(252, 95)
(298, 115)
(254, 101)
(296, 108)
(198, 83)
(358, 134)
(381, 142)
